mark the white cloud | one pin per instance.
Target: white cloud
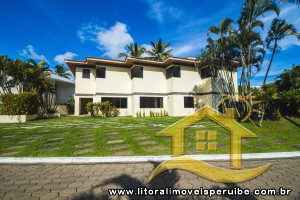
(110, 40)
(288, 42)
(276, 69)
(88, 31)
(60, 59)
(160, 11)
(156, 12)
(181, 50)
(292, 16)
(263, 69)
(190, 46)
(286, 12)
(148, 47)
(30, 53)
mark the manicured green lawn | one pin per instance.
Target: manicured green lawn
(85, 136)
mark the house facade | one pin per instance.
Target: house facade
(140, 85)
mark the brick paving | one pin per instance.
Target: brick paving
(92, 181)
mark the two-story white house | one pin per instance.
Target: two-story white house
(134, 85)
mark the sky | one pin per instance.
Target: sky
(54, 30)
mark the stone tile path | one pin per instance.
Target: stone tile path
(92, 181)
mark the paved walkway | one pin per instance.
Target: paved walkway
(92, 181)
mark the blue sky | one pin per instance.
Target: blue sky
(53, 30)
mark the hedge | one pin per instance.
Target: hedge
(19, 104)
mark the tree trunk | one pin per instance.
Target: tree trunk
(249, 75)
(270, 63)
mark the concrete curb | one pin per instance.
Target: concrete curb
(131, 159)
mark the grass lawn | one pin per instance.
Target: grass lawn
(86, 136)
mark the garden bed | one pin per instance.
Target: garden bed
(17, 118)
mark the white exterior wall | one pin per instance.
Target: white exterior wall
(153, 81)
(85, 85)
(178, 106)
(65, 91)
(76, 105)
(234, 74)
(117, 80)
(178, 88)
(205, 88)
(219, 84)
(188, 80)
(153, 84)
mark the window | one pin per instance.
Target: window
(100, 72)
(85, 73)
(115, 101)
(151, 102)
(173, 71)
(189, 102)
(176, 71)
(206, 72)
(137, 72)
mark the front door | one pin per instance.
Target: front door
(83, 102)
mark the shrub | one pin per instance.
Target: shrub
(20, 104)
(102, 109)
(105, 108)
(89, 107)
(114, 112)
(70, 104)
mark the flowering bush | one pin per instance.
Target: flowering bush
(19, 104)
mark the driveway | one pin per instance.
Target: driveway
(92, 181)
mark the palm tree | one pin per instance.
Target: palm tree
(38, 82)
(279, 30)
(61, 71)
(248, 38)
(160, 50)
(36, 74)
(222, 53)
(135, 51)
(20, 74)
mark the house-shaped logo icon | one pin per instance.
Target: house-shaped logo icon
(237, 132)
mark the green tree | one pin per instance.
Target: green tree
(288, 84)
(135, 51)
(160, 50)
(279, 30)
(289, 79)
(62, 71)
